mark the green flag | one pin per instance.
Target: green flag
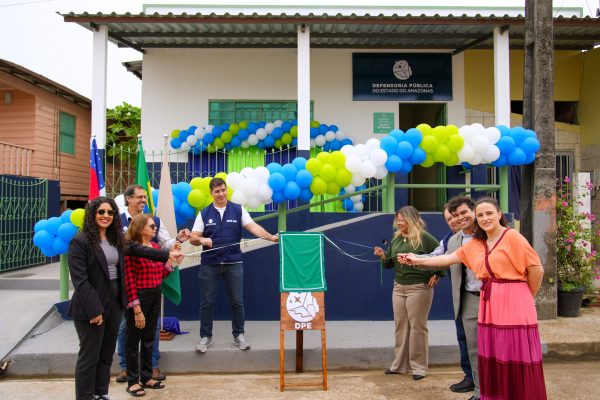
(141, 175)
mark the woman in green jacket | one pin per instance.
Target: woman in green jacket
(412, 295)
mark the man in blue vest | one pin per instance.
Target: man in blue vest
(220, 226)
(136, 201)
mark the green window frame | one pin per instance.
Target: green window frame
(67, 133)
(230, 111)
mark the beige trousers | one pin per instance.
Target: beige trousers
(411, 305)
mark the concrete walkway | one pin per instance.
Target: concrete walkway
(39, 342)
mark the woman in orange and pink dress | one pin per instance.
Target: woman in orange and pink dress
(508, 340)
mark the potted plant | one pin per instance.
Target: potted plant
(577, 235)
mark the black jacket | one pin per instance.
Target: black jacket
(89, 273)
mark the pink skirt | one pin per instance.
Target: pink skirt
(508, 345)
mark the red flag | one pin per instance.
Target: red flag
(97, 187)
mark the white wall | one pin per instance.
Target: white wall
(178, 83)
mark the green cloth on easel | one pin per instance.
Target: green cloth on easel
(301, 262)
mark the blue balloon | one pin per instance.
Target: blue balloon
(208, 138)
(346, 141)
(326, 146)
(305, 195)
(274, 167)
(291, 191)
(397, 134)
(252, 127)
(183, 135)
(227, 146)
(466, 165)
(304, 178)
(277, 181)
(393, 163)
(66, 231)
(217, 131)
(506, 144)
(243, 134)
(176, 203)
(530, 158)
(43, 239)
(518, 134)
(180, 219)
(155, 197)
(53, 224)
(299, 163)
(530, 145)
(66, 216)
(186, 211)
(504, 130)
(225, 127)
(323, 129)
(314, 132)
(418, 156)
(269, 141)
(404, 150)
(294, 142)
(59, 246)
(289, 171)
(333, 128)
(388, 144)
(192, 129)
(41, 225)
(286, 126)
(48, 251)
(530, 133)
(335, 145)
(406, 167)
(348, 204)
(262, 124)
(261, 145)
(175, 143)
(414, 137)
(278, 196)
(181, 190)
(235, 142)
(196, 150)
(517, 157)
(502, 161)
(277, 133)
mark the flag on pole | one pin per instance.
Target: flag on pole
(171, 285)
(97, 187)
(141, 175)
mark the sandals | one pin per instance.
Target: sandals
(139, 392)
(155, 385)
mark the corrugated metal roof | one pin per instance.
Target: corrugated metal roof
(44, 83)
(451, 32)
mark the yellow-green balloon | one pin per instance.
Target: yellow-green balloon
(175, 133)
(243, 124)
(234, 129)
(286, 138)
(204, 185)
(333, 188)
(428, 161)
(328, 173)
(318, 186)
(211, 148)
(196, 198)
(338, 159)
(196, 183)
(313, 166)
(455, 142)
(453, 129)
(442, 154)
(278, 143)
(218, 143)
(77, 217)
(429, 144)
(324, 157)
(441, 133)
(314, 124)
(226, 136)
(343, 177)
(453, 160)
(425, 129)
(294, 131)
(221, 175)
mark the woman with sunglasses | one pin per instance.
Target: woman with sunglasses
(96, 265)
(143, 279)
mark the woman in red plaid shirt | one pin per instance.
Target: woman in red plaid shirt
(143, 279)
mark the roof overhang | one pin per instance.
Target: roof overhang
(451, 33)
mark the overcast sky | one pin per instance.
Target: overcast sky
(34, 36)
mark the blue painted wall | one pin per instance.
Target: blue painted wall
(356, 290)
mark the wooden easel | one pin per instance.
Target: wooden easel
(288, 323)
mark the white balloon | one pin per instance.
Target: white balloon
(269, 127)
(357, 198)
(493, 134)
(239, 197)
(312, 143)
(278, 123)
(261, 133)
(381, 172)
(261, 174)
(348, 150)
(209, 128)
(253, 202)
(476, 159)
(358, 207)
(477, 127)
(491, 154)
(372, 144)
(378, 157)
(361, 150)
(353, 163)
(185, 146)
(265, 193)
(466, 153)
(339, 135)
(250, 187)
(320, 140)
(480, 144)
(200, 133)
(252, 140)
(358, 180)
(234, 180)
(245, 144)
(368, 169)
(191, 140)
(329, 136)
(350, 189)
(247, 172)
(466, 132)
(120, 200)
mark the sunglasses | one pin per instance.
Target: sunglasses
(109, 212)
(153, 226)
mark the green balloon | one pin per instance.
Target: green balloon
(196, 198)
(428, 161)
(455, 142)
(196, 183)
(294, 131)
(286, 138)
(234, 129)
(313, 166)
(429, 144)
(343, 177)
(442, 154)
(324, 157)
(338, 160)
(328, 173)
(226, 137)
(425, 129)
(218, 143)
(314, 124)
(318, 186)
(441, 133)
(77, 217)
(333, 188)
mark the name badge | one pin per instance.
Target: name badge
(232, 220)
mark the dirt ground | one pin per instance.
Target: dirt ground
(568, 380)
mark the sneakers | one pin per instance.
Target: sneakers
(205, 343)
(241, 342)
(102, 397)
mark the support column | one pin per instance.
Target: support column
(304, 91)
(502, 98)
(100, 55)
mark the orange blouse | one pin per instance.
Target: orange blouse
(509, 260)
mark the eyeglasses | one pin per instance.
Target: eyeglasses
(109, 212)
(153, 226)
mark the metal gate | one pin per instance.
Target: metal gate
(23, 202)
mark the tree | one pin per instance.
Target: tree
(123, 124)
